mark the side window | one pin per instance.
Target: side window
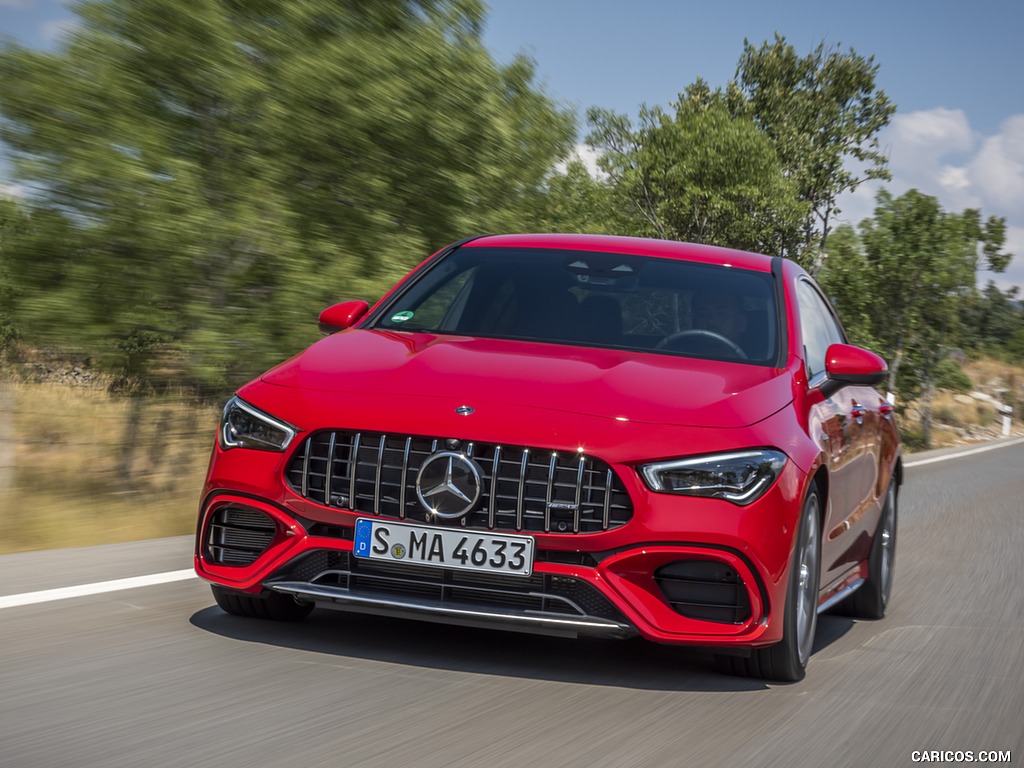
(818, 328)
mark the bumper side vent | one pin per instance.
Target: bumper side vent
(704, 589)
(238, 535)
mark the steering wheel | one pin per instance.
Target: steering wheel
(702, 333)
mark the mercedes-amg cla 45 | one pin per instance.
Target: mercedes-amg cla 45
(577, 435)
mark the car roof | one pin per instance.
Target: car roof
(638, 246)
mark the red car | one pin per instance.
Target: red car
(570, 434)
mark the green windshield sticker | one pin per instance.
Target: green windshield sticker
(401, 317)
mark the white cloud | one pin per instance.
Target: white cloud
(939, 127)
(954, 179)
(937, 152)
(586, 155)
(55, 29)
(998, 168)
(1014, 274)
(858, 205)
(918, 141)
(11, 191)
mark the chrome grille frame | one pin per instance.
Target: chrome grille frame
(525, 489)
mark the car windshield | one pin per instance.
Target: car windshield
(646, 304)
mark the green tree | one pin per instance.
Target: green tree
(849, 279)
(992, 318)
(822, 113)
(701, 175)
(906, 277)
(575, 201)
(224, 168)
(12, 223)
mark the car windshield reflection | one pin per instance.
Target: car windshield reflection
(637, 303)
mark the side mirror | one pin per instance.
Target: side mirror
(338, 317)
(847, 365)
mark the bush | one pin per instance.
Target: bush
(949, 375)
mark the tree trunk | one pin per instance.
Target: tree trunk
(896, 360)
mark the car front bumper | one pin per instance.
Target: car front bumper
(685, 571)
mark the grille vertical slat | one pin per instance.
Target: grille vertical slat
(353, 470)
(330, 468)
(380, 467)
(405, 478)
(305, 467)
(579, 492)
(525, 489)
(552, 471)
(607, 500)
(493, 496)
(523, 466)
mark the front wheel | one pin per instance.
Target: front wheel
(786, 661)
(273, 606)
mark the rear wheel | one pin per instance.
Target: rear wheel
(786, 661)
(872, 599)
(273, 606)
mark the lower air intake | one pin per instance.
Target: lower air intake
(238, 535)
(704, 589)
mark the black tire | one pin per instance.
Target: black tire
(872, 599)
(786, 661)
(273, 606)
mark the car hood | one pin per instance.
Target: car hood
(532, 377)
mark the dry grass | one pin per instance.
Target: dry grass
(67, 479)
(992, 375)
(959, 419)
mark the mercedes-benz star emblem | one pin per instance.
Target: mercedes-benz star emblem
(449, 484)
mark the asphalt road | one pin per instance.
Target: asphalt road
(158, 676)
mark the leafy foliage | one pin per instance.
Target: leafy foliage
(758, 164)
(905, 280)
(700, 175)
(821, 112)
(211, 172)
(205, 175)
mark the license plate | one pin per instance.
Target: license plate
(444, 548)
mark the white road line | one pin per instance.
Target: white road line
(968, 452)
(63, 593)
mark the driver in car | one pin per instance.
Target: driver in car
(720, 313)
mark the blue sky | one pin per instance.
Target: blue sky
(953, 69)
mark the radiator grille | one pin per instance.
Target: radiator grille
(525, 489)
(238, 535)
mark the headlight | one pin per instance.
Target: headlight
(243, 426)
(739, 477)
